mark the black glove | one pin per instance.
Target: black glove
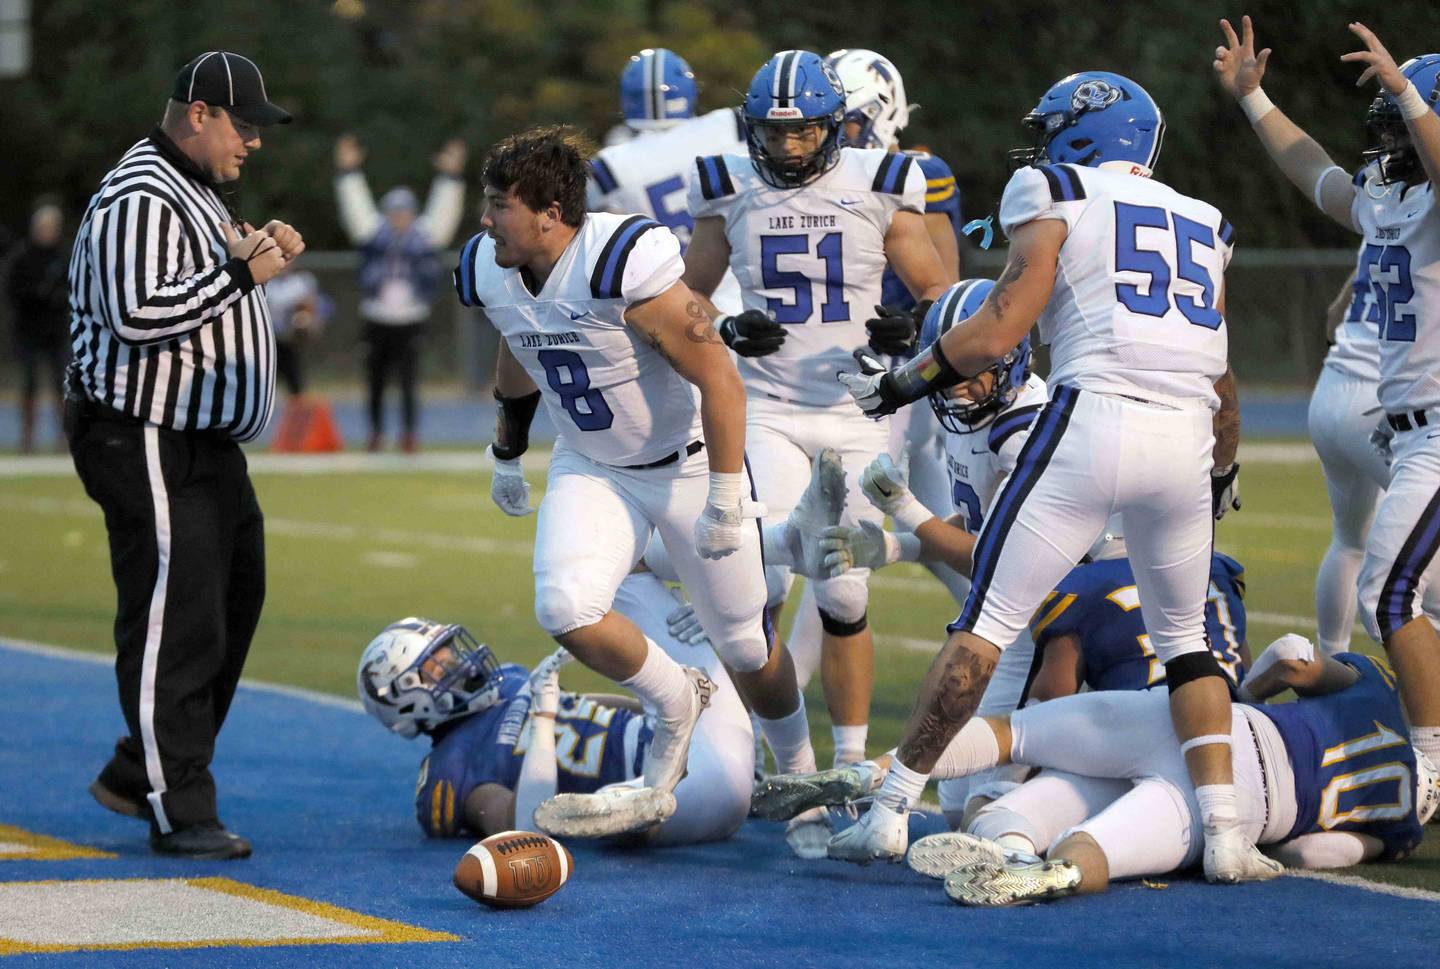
(894, 331)
(1225, 490)
(751, 333)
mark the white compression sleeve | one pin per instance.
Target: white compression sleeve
(1323, 849)
(539, 775)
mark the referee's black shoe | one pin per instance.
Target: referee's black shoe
(203, 842)
(112, 800)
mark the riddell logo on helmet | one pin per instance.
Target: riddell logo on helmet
(784, 114)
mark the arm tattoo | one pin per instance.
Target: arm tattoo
(659, 347)
(700, 329)
(1000, 295)
(950, 697)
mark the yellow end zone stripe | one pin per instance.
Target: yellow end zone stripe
(369, 928)
(39, 847)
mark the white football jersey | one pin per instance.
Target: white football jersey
(979, 461)
(812, 257)
(1401, 261)
(1133, 310)
(1356, 352)
(610, 394)
(650, 174)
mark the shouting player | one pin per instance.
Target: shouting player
(1391, 202)
(1126, 279)
(808, 227)
(598, 324)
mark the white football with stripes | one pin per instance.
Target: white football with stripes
(514, 869)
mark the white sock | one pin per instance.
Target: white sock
(1219, 807)
(849, 743)
(1428, 740)
(1016, 842)
(661, 683)
(973, 749)
(789, 740)
(759, 743)
(902, 788)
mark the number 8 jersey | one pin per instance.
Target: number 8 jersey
(610, 395)
(1134, 306)
(813, 257)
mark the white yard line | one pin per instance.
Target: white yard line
(1355, 881)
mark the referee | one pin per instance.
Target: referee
(174, 365)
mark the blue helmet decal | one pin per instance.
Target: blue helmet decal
(1093, 118)
(956, 413)
(657, 88)
(795, 88)
(1388, 138)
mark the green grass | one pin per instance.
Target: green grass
(348, 554)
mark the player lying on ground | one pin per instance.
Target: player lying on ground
(1327, 781)
(491, 766)
(1390, 202)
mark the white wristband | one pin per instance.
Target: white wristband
(1410, 103)
(725, 488)
(1320, 183)
(909, 546)
(1256, 105)
(911, 515)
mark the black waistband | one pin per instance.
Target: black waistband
(691, 449)
(1407, 420)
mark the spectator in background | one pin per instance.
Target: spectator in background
(40, 294)
(299, 312)
(399, 270)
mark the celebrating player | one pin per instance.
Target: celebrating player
(1126, 279)
(593, 310)
(808, 227)
(1391, 202)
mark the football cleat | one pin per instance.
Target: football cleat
(881, 835)
(669, 748)
(808, 834)
(819, 508)
(1231, 858)
(612, 810)
(1017, 882)
(784, 796)
(937, 855)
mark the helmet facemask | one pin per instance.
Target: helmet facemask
(785, 171)
(1390, 144)
(415, 679)
(962, 415)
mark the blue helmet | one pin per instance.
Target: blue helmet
(657, 89)
(1092, 118)
(795, 88)
(957, 414)
(1389, 138)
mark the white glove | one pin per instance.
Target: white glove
(685, 627)
(545, 682)
(720, 529)
(1381, 439)
(887, 485)
(866, 547)
(508, 487)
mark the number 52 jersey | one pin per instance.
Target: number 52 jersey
(609, 393)
(813, 257)
(1135, 305)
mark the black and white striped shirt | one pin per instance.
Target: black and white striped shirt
(165, 326)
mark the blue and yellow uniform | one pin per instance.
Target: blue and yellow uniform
(1099, 603)
(488, 748)
(942, 194)
(1353, 763)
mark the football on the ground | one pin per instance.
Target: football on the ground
(514, 869)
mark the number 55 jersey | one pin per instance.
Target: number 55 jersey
(1135, 306)
(812, 257)
(611, 395)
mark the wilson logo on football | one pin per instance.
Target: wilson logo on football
(529, 875)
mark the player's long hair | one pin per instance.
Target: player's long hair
(544, 164)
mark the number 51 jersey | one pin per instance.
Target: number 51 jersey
(813, 257)
(1134, 308)
(609, 393)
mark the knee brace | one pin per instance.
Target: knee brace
(843, 600)
(840, 627)
(1191, 666)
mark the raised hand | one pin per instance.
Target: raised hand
(1237, 67)
(1377, 60)
(450, 159)
(349, 153)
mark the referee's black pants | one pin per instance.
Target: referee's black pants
(187, 551)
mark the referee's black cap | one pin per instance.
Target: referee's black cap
(224, 79)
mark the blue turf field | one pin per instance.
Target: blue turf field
(326, 798)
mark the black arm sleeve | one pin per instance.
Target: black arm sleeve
(512, 424)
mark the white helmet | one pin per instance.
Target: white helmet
(1427, 787)
(874, 96)
(417, 674)
(1110, 544)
